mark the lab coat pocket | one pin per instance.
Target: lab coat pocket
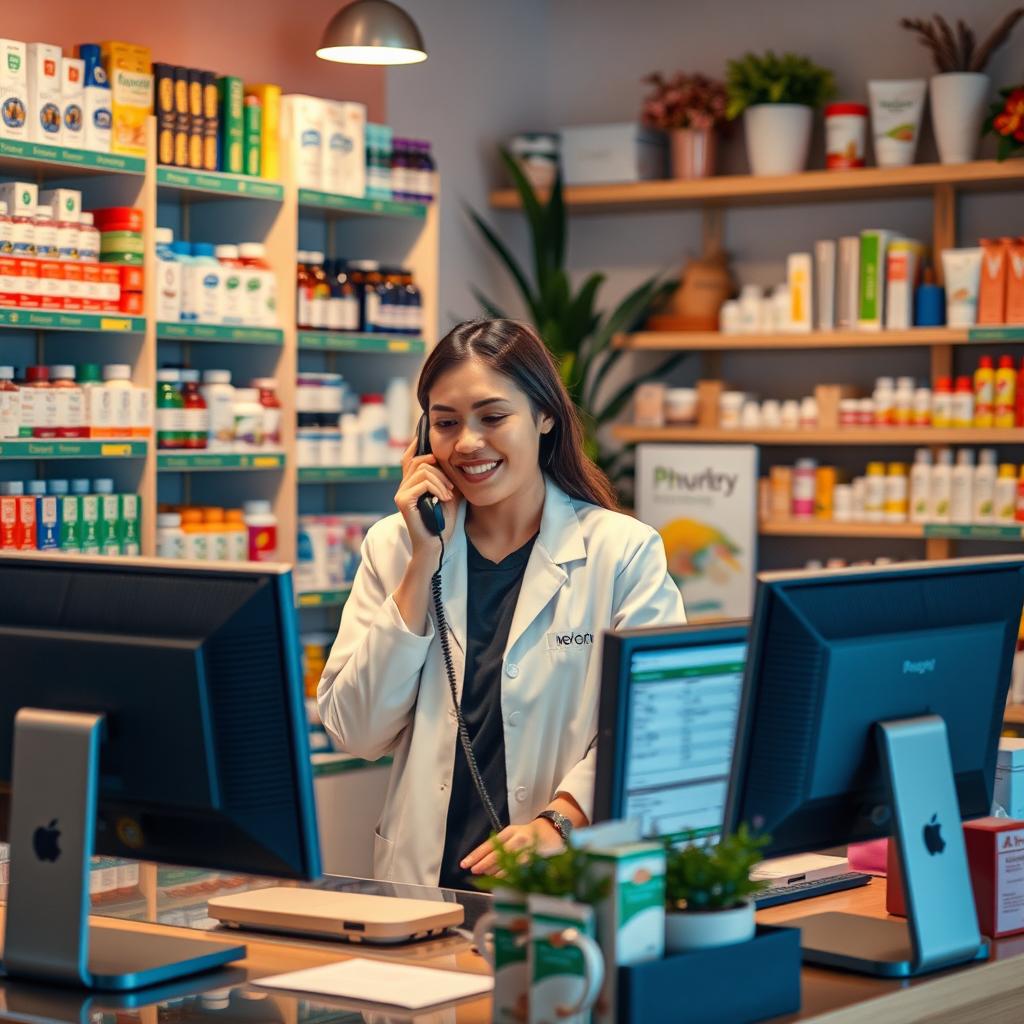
(383, 856)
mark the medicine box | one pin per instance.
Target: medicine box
(45, 116)
(13, 90)
(1009, 788)
(601, 153)
(232, 119)
(302, 125)
(131, 102)
(269, 97)
(344, 148)
(64, 203)
(72, 97)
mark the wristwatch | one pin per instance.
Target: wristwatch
(562, 824)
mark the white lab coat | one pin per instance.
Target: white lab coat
(384, 689)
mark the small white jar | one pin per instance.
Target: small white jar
(730, 405)
(791, 414)
(771, 414)
(170, 537)
(680, 405)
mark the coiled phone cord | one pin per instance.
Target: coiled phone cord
(446, 652)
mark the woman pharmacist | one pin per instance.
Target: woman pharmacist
(534, 565)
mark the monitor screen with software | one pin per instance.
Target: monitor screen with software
(198, 748)
(669, 701)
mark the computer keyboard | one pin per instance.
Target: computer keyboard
(778, 895)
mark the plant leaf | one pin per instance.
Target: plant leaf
(556, 221)
(536, 215)
(511, 263)
(487, 305)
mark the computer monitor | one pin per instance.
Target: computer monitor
(667, 720)
(149, 711)
(872, 704)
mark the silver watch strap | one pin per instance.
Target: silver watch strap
(562, 824)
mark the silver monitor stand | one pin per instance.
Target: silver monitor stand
(47, 934)
(941, 929)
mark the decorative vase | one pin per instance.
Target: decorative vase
(687, 930)
(778, 137)
(693, 152)
(959, 102)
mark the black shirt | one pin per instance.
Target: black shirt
(492, 593)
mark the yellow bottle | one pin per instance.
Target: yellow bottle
(1006, 393)
(897, 503)
(984, 393)
(1006, 493)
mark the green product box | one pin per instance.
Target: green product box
(70, 522)
(873, 246)
(130, 532)
(89, 516)
(110, 524)
(232, 125)
(253, 136)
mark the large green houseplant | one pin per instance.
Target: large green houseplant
(577, 333)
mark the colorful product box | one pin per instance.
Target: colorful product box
(873, 246)
(51, 284)
(166, 117)
(92, 288)
(195, 119)
(1015, 282)
(142, 412)
(64, 203)
(13, 90)
(72, 94)
(89, 508)
(181, 117)
(73, 285)
(130, 524)
(303, 125)
(252, 144)
(131, 103)
(9, 281)
(1009, 786)
(344, 148)
(47, 522)
(30, 289)
(45, 114)
(269, 97)
(992, 290)
(98, 115)
(110, 524)
(232, 118)
(129, 56)
(21, 198)
(69, 514)
(110, 288)
(130, 304)
(211, 121)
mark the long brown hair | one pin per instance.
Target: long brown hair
(514, 350)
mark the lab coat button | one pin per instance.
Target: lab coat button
(513, 719)
(511, 670)
(521, 794)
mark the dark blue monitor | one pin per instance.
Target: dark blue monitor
(832, 654)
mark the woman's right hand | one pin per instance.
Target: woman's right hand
(422, 475)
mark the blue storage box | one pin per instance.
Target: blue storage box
(701, 987)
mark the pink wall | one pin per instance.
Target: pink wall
(258, 40)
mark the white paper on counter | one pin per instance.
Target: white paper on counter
(372, 981)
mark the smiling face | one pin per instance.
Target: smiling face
(485, 433)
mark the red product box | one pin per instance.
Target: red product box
(92, 296)
(10, 524)
(132, 277)
(51, 284)
(27, 522)
(995, 857)
(131, 303)
(74, 286)
(28, 284)
(110, 288)
(118, 218)
(10, 284)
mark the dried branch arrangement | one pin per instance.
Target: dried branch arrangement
(957, 51)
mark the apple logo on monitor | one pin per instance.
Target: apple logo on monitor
(933, 841)
(44, 841)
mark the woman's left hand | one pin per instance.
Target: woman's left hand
(539, 832)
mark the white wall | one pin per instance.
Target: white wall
(485, 79)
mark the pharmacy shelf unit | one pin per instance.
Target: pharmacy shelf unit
(216, 333)
(105, 179)
(339, 341)
(889, 531)
(942, 183)
(866, 437)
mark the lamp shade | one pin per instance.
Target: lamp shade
(372, 32)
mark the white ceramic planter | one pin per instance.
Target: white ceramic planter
(959, 102)
(687, 930)
(778, 137)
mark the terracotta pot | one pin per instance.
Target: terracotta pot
(693, 152)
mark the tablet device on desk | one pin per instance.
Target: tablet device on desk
(323, 914)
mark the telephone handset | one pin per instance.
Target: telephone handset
(429, 504)
(432, 513)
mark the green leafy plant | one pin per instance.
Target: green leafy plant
(578, 335)
(713, 877)
(771, 79)
(567, 874)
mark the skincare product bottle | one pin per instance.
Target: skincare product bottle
(961, 500)
(920, 486)
(941, 489)
(984, 495)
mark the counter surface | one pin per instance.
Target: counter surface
(989, 992)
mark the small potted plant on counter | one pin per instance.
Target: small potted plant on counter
(777, 97)
(690, 109)
(960, 90)
(708, 893)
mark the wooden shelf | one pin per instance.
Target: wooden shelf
(715, 341)
(53, 162)
(92, 323)
(194, 462)
(339, 341)
(863, 436)
(890, 531)
(348, 474)
(807, 187)
(171, 330)
(217, 184)
(335, 203)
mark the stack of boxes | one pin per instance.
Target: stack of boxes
(208, 123)
(328, 140)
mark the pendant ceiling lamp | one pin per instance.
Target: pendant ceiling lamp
(372, 32)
